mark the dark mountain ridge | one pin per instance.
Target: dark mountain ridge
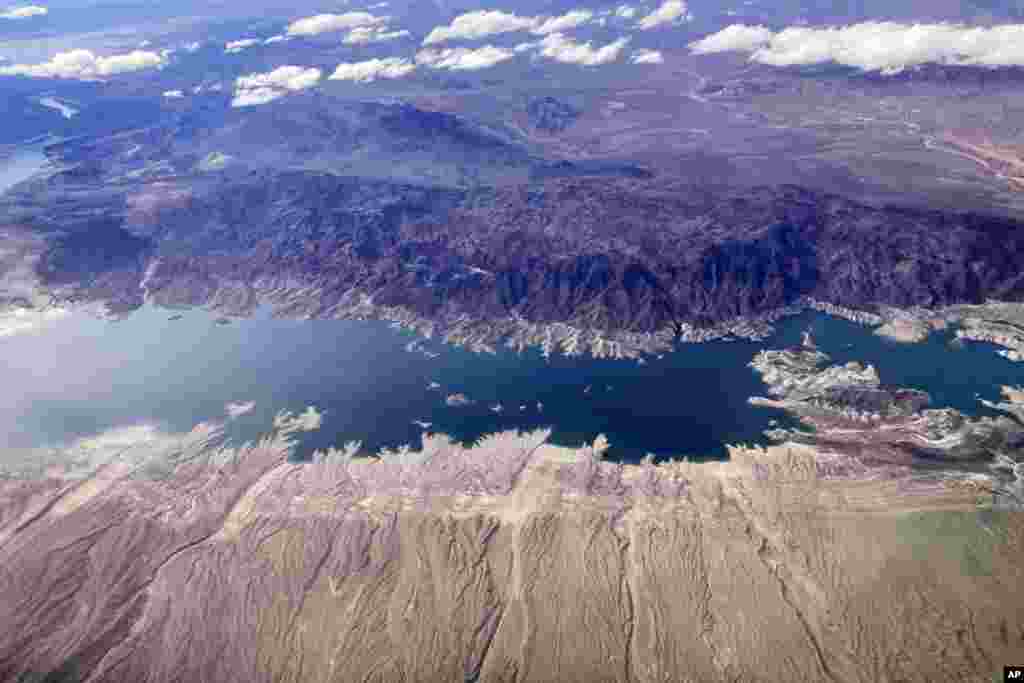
(607, 253)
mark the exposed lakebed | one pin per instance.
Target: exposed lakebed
(79, 375)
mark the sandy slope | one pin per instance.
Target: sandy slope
(515, 560)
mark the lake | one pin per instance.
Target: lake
(78, 375)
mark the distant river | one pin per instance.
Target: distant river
(79, 375)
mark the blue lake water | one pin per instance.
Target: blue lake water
(80, 375)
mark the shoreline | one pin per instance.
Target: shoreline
(997, 322)
(512, 554)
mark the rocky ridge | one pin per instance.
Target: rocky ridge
(579, 263)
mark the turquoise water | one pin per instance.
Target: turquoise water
(79, 376)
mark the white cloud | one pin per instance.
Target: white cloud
(372, 34)
(275, 39)
(479, 24)
(24, 12)
(249, 98)
(669, 12)
(565, 22)
(625, 11)
(883, 46)
(561, 48)
(192, 47)
(283, 78)
(736, 37)
(372, 69)
(261, 88)
(644, 56)
(84, 64)
(464, 59)
(484, 23)
(236, 46)
(328, 23)
(173, 94)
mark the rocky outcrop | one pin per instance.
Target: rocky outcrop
(1000, 323)
(850, 412)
